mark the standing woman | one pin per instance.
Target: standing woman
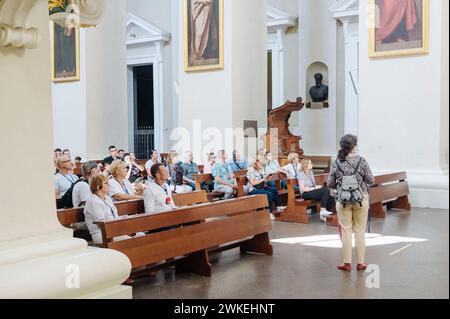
(352, 215)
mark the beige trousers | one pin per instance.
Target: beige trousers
(353, 218)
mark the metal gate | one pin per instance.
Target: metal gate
(144, 141)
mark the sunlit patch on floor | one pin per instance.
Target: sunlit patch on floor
(333, 241)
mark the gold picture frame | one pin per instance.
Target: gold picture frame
(71, 57)
(377, 49)
(212, 35)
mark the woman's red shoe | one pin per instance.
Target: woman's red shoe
(361, 267)
(345, 267)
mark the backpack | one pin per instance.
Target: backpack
(66, 199)
(348, 189)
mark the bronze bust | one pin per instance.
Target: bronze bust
(319, 92)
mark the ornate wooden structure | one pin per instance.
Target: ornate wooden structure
(279, 137)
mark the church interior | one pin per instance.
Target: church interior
(215, 141)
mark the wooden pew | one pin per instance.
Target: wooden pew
(389, 190)
(277, 178)
(297, 208)
(321, 164)
(207, 178)
(206, 229)
(68, 217)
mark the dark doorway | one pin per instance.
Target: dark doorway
(144, 112)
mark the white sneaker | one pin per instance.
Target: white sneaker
(281, 209)
(272, 217)
(323, 219)
(325, 213)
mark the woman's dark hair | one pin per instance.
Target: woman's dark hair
(348, 143)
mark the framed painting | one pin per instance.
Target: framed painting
(203, 35)
(65, 53)
(398, 27)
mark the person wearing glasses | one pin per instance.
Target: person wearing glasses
(158, 194)
(64, 179)
(120, 189)
(81, 191)
(99, 207)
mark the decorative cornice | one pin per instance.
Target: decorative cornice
(150, 33)
(279, 20)
(345, 10)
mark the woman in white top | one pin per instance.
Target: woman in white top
(120, 189)
(311, 191)
(271, 166)
(99, 207)
(207, 169)
(294, 168)
(257, 185)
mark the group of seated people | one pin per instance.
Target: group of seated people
(120, 178)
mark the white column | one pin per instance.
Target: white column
(38, 257)
(351, 124)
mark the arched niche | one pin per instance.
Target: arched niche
(316, 67)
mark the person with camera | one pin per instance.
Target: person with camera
(134, 169)
(257, 185)
(176, 175)
(351, 177)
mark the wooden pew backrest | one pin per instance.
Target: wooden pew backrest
(67, 217)
(235, 219)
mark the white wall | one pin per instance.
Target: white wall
(106, 82)
(249, 77)
(444, 88)
(400, 112)
(317, 43)
(69, 110)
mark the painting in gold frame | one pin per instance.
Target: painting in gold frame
(65, 53)
(203, 35)
(398, 28)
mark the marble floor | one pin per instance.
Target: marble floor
(410, 251)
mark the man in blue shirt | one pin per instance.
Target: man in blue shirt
(224, 179)
(190, 169)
